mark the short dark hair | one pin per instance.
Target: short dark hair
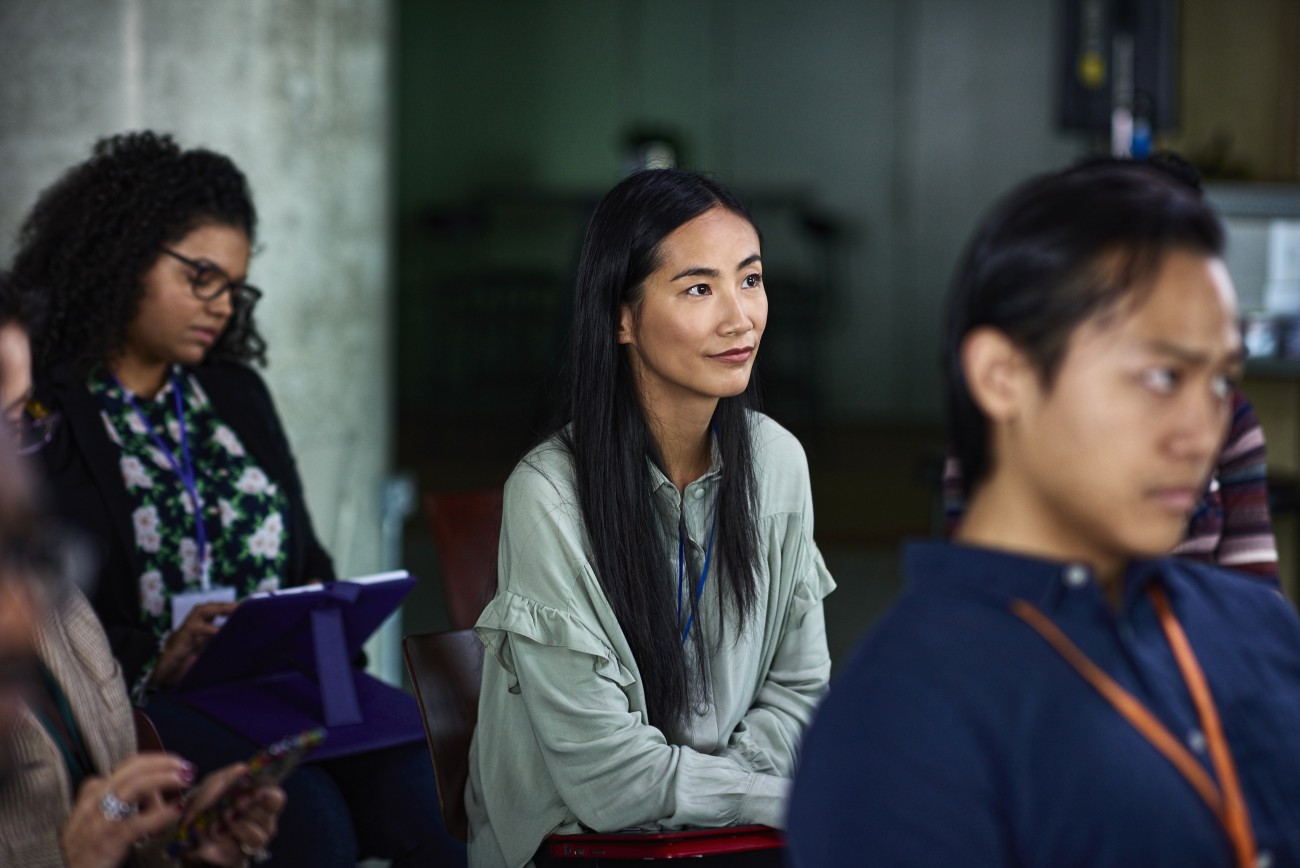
(1057, 251)
(94, 233)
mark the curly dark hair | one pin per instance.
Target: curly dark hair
(94, 233)
(23, 306)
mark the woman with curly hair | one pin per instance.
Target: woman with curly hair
(172, 459)
(63, 707)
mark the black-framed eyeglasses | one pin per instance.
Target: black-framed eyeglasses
(209, 282)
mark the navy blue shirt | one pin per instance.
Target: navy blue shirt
(958, 736)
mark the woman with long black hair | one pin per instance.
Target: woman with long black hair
(657, 642)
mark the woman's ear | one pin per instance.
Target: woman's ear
(625, 324)
(997, 373)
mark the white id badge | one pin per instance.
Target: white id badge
(183, 604)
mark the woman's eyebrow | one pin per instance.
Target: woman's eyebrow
(702, 271)
(696, 271)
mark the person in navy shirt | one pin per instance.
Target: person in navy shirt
(1050, 690)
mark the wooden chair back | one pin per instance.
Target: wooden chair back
(466, 526)
(446, 670)
(146, 734)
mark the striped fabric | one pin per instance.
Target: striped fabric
(1231, 527)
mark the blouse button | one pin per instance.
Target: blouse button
(699, 492)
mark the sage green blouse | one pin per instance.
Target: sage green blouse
(563, 742)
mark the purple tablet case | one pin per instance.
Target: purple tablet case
(283, 663)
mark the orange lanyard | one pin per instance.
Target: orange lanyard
(1227, 804)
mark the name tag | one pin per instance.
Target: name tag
(183, 604)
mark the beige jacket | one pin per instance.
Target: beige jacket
(36, 799)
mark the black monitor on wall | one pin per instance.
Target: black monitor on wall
(1118, 53)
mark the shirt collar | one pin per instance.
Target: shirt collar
(101, 382)
(659, 479)
(998, 576)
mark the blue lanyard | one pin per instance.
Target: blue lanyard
(704, 573)
(184, 468)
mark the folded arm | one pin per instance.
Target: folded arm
(612, 768)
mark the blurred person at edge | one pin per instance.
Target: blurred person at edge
(143, 251)
(1054, 689)
(65, 719)
(1231, 525)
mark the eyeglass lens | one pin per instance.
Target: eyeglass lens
(208, 282)
(31, 435)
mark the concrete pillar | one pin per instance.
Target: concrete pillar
(296, 92)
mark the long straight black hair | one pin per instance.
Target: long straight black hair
(610, 440)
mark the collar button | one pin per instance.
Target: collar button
(1075, 576)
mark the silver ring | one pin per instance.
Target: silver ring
(114, 809)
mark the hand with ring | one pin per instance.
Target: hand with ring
(245, 827)
(111, 814)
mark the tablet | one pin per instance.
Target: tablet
(272, 632)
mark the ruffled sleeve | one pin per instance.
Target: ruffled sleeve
(512, 615)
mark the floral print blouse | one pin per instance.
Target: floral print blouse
(243, 510)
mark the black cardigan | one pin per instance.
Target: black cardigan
(84, 478)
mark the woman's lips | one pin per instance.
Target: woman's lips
(207, 336)
(734, 356)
